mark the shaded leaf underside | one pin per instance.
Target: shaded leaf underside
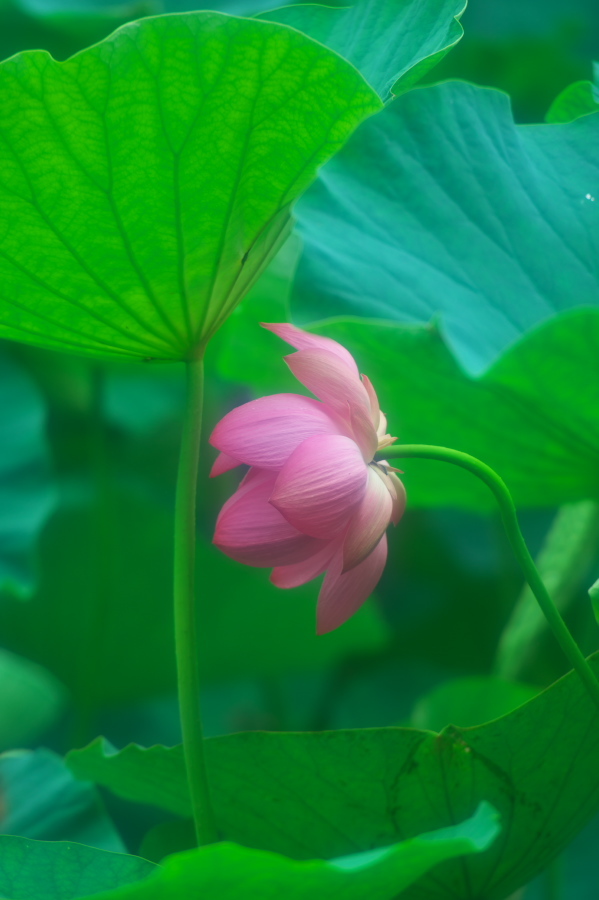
(146, 181)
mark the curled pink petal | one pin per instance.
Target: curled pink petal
(375, 410)
(399, 499)
(382, 426)
(223, 463)
(363, 432)
(320, 485)
(369, 521)
(301, 573)
(328, 378)
(303, 340)
(250, 530)
(341, 595)
(265, 432)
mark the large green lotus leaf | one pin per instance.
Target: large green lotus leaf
(27, 491)
(40, 798)
(31, 700)
(227, 870)
(146, 181)
(578, 99)
(393, 44)
(48, 870)
(326, 794)
(442, 207)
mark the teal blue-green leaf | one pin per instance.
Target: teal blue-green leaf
(141, 400)
(469, 701)
(441, 207)
(31, 700)
(578, 99)
(393, 43)
(229, 871)
(147, 181)
(333, 793)
(40, 870)
(27, 491)
(41, 799)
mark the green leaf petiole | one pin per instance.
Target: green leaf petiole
(512, 527)
(188, 680)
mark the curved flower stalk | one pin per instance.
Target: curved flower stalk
(314, 499)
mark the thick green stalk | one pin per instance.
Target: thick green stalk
(186, 644)
(510, 522)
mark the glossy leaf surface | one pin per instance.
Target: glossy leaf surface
(442, 208)
(171, 180)
(342, 791)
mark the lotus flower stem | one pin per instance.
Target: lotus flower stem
(510, 522)
(186, 644)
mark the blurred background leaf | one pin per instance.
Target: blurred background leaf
(31, 700)
(40, 799)
(530, 51)
(27, 489)
(578, 99)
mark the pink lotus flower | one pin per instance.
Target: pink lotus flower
(314, 499)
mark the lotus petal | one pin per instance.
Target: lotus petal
(320, 485)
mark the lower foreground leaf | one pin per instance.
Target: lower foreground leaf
(229, 871)
(48, 870)
(328, 794)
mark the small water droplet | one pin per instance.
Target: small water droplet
(589, 197)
